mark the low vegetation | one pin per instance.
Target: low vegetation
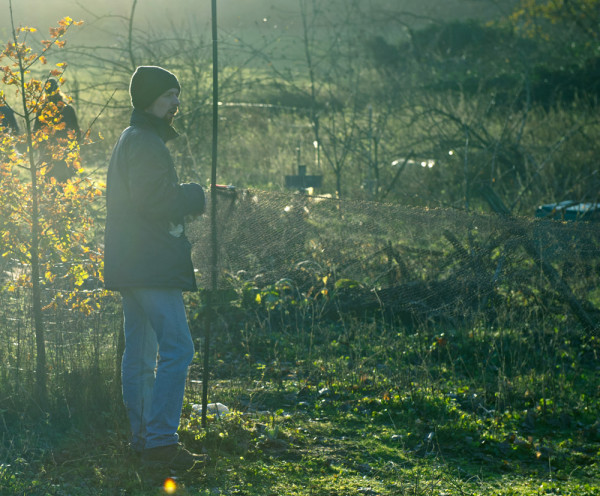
(365, 409)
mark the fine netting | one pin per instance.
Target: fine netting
(418, 264)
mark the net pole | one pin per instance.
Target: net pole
(214, 263)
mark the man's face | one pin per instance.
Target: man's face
(166, 105)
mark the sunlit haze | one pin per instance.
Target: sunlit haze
(159, 15)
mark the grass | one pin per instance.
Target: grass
(392, 414)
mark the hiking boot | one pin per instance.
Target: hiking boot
(174, 457)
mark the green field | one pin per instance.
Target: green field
(384, 412)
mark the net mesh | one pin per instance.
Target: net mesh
(297, 262)
(413, 263)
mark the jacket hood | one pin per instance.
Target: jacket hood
(155, 124)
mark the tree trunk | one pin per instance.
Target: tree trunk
(36, 294)
(38, 318)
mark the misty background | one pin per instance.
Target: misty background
(233, 15)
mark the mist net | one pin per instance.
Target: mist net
(415, 264)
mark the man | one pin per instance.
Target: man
(66, 112)
(148, 260)
(66, 126)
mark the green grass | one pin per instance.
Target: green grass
(381, 418)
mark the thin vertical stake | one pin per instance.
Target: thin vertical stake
(213, 218)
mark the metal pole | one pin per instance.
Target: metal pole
(213, 218)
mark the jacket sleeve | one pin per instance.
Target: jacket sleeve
(153, 185)
(194, 198)
(70, 120)
(10, 119)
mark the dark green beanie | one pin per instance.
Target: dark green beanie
(148, 83)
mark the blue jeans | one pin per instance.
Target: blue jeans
(158, 352)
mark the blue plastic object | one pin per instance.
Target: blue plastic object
(569, 211)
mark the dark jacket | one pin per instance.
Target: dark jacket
(145, 208)
(58, 168)
(67, 115)
(7, 119)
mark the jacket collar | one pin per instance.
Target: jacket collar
(153, 123)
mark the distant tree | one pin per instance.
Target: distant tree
(337, 84)
(579, 19)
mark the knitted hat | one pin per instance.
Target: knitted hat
(51, 86)
(52, 90)
(148, 83)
